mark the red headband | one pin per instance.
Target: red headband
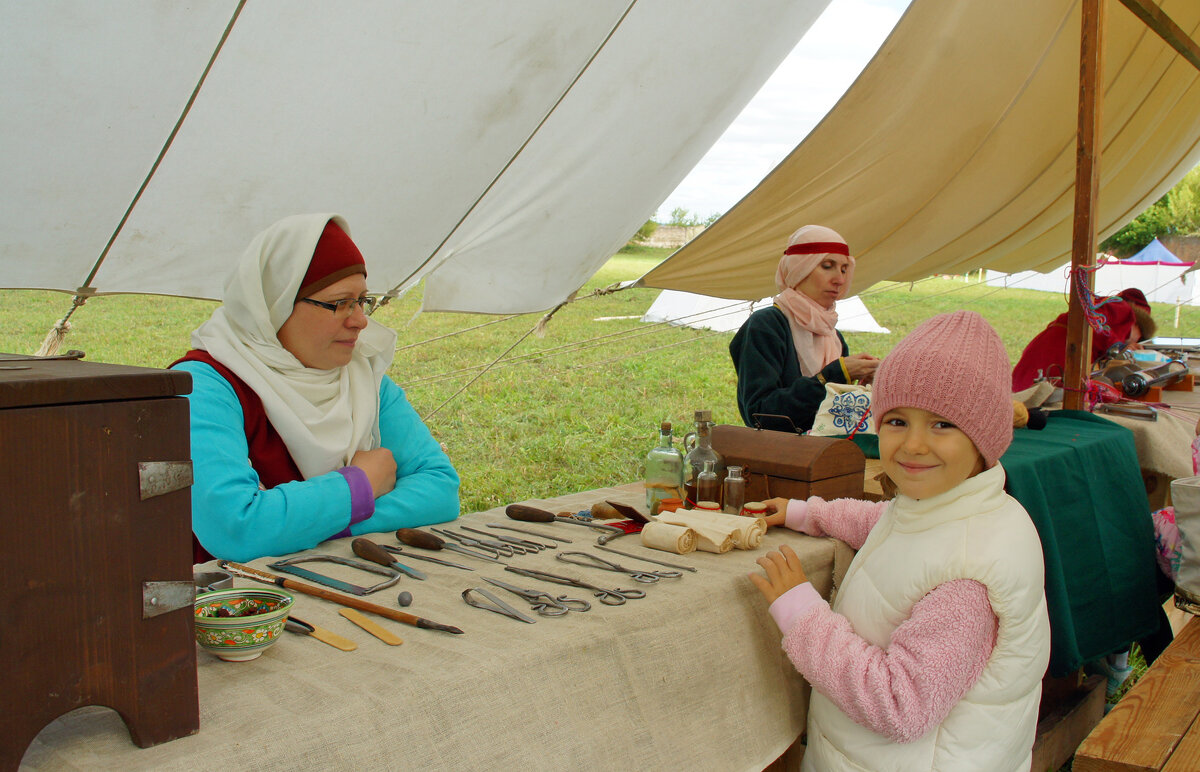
(818, 248)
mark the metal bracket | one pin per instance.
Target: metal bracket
(158, 477)
(165, 597)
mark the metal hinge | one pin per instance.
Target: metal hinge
(158, 477)
(164, 597)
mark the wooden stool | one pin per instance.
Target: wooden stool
(95, 549)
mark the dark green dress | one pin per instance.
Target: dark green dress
(769, 379)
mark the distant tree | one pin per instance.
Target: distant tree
(645, 232)
(682, 218)
(1178, 212)
(712, 218)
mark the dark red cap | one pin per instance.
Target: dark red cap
(1135, 297)
(334, 258)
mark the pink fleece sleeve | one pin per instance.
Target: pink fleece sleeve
(847, 519)
(904, 690)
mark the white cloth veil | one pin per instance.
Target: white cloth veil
(323, 416)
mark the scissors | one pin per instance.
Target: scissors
(607, 597)
(544, 603)
(595, 561)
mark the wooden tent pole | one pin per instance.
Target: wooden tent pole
(1167, 29)
(1087, 178)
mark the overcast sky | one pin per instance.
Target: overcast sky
(789, 105)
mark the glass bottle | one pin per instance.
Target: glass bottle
(700, 450)
(664, 470)
(735, 491)
(708, 487)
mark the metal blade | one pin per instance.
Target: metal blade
(313, 576)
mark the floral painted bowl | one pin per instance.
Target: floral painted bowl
(239, 623)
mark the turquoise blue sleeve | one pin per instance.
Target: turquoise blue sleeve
(426, 489)
(232, 516)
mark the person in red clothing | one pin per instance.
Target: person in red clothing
(1128, 321)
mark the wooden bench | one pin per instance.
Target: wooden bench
(1154, 726)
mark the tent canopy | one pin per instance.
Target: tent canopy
(503, 151)
(955, 149)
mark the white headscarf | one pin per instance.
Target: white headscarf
(323, 416)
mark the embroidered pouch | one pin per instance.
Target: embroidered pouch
(846, 410)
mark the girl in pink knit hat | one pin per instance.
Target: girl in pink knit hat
(931, 656)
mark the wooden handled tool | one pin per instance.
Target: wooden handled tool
(300, 627)
(534, 515)
(369, 550)
(428, 541)
(246, 572)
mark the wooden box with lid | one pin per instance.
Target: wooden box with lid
(95, 570)
(791, 465)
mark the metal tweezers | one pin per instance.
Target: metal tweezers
(498, 606)
(595, 561)
(542, 602)
(607, 597)
(468, 541)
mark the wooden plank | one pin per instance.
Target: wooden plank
(1078, 363)
(1168, 30)
(1147, 725)
(1186, 757)
(1061, 730)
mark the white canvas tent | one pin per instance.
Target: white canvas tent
(504, 151)
(702, 312)
(1162, 276)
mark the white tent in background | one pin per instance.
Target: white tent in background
(686, 309)
(1155, 270)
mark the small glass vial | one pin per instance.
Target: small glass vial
(735, 491)
(708, 487)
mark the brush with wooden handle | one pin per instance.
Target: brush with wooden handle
(246, 572)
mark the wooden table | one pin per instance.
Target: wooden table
(1154, 726)
(692, 676)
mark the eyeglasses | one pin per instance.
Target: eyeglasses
(345, 307)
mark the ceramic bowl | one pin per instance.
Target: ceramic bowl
(238, 624)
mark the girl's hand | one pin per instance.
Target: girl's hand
(776, 511)
(783, 572)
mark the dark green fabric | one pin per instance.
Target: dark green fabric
(769, 379)
(1080, 481)
(867, 443)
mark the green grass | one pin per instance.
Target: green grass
(563, 412)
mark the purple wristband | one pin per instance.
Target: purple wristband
(362, 497)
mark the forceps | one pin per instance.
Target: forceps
(595, 561)
(607, 597)
(497, 606)
(468, 541)
(544, 603)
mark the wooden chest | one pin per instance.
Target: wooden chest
(95, 549)
(791, 465)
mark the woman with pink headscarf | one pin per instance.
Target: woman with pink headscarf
(784, 355)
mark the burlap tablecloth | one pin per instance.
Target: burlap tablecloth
(692, 676)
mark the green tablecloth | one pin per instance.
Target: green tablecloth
(1080, 480)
